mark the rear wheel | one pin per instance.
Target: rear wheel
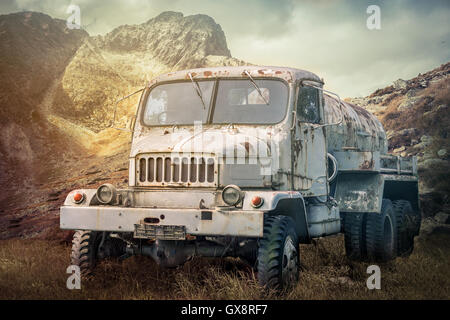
(408, 225)
(278, 254)
(381, 233)
(354, 235)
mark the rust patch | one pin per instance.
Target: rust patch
(207, 73)
(366, 165)
(297, 146)
(247, 146)
(193, 74)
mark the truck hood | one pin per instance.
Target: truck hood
(235, 142)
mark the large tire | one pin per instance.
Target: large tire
(354, 235)
(84, 250)
(408, 225)
(278, 257)
(381, 233)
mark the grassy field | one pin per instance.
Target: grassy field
(35, 269)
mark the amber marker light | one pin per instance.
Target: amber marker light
(78, 197)
(257, 201)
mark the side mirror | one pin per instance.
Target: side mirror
(130, 124)
(339, 102)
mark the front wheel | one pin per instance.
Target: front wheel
(84, 250)
(88, 247)
(278, 254)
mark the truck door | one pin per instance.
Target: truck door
(309, 150)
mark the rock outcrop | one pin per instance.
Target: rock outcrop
(415, 114)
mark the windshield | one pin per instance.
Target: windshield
(237, 101)
(178, 103)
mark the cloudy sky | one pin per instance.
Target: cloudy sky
(327, 37)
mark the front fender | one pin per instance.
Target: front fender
(288, 203)
(271, 198)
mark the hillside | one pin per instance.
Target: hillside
(58, 88)
(34, 50)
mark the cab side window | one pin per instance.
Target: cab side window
(308, 105)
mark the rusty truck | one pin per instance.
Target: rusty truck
(248, 162)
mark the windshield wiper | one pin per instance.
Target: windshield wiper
(256, 86)
(197, 89)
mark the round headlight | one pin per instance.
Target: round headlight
(106, 193)
(231, 195)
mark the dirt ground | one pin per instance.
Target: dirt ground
(36, 269)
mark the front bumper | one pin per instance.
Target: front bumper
(241, 223)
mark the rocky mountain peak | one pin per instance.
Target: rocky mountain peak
(110, 66)
(172, 38)
(166, 16)
(26, 29)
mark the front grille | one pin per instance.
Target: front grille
(169, 170)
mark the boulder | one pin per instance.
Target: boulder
(433, 162)
(442, 153)
(400, 84)
(402, 148)
(411, 93)
(426, 140)
(442, 217)
(407, 103)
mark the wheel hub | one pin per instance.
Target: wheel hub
(289, 271)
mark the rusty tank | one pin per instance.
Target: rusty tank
(359, 130)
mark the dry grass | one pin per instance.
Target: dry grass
(36, 270)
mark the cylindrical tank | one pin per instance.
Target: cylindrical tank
(359, 130)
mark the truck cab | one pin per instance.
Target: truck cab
(248, 162)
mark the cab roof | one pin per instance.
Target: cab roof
(288, 74)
